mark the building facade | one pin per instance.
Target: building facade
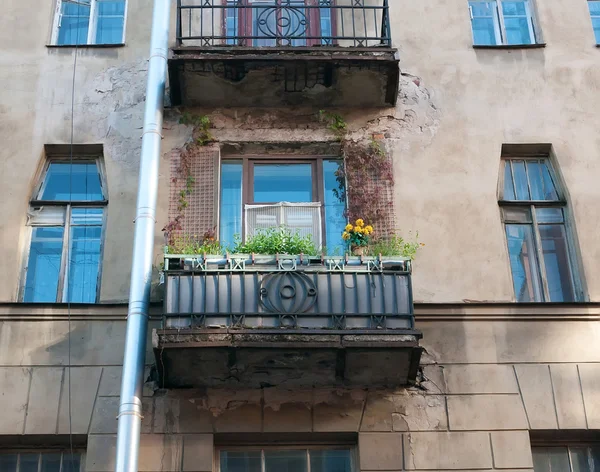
(472, 123)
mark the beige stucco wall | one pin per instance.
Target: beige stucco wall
(457, 106)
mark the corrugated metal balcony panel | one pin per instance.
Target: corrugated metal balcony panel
(361, 300)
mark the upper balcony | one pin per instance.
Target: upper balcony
(268, 53)
(256, 321)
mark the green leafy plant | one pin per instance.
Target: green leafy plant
(276, 241)
(334, 122)
(395, 245)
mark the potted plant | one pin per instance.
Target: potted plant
(358, 236)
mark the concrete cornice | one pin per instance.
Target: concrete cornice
(424, 312)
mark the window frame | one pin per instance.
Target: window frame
(500, 26)
(568, 445)
(62, 451)
(596, 37)
(92, 26)
(286, 447)
(248, 162)
(68, 205)
(531, 206)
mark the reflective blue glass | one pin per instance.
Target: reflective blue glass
(282, 183)
(516, 23)
(72, 182)
(523, 263)
(286, 461)
(556, 261)
(74, 23)
(240, 461)
(509, 189)
(594, 7)
(111, 17)
(84, 263)
(231, 202)
(326, 29)
(483, 23)
(335, 207)
(264, 23)
(50, 462)
(323, 460)
(514, 8)
(29, 462)
(43, 266)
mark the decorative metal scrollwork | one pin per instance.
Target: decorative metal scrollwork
(287, 292)
(283, 21)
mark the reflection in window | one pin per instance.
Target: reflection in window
(313, 182)
(536, 233)
(83, 22)
(66, 219)
(286, 460)
(502, 22)
(51, 461)
(566, 459)
(594, 7)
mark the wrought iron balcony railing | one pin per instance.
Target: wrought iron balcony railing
(283, 23)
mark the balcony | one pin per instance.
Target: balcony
(256, 321)
(266, 53)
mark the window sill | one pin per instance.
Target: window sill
(85, 46)
(510, 46)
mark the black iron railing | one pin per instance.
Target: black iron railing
(280, 23)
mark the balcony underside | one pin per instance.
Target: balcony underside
(271, 77)
(193, 358)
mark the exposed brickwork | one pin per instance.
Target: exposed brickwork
(200, 215)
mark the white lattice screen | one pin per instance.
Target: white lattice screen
(304, 218)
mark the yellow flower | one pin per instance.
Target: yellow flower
(359, 230)
(369, 228)
(360, 222)
(349, 228)
(345, 236)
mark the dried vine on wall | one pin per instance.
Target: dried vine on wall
(366, 179)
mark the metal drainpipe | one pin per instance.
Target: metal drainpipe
(130, 408)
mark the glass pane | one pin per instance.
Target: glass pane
(8, 462)
(74, 22)
(518, 168)
(326, 30)
(50, 462)
(550, 459)
(550, 192)
(517, 215)
(523, 263)
(509, 188)
(536, 180)
(282, 183)
(293, 23)
(595, 452)
(77, 182)
(111, 7)
(285, 461)
(549, 215)
(579, 459)
(517, 31)
(514, 8)
(87, 216)
(231, 202)
(43, 266)
(84, 263)
(239, 461)
(335, 207)
(71, 462)
(264, 23)
(556, 260)
(109, 30)
(483, 22)
(330, 461)
(231, 23)
(29, 462)
(596, 26)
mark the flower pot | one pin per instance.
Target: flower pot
(359, 250)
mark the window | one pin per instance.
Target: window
(535, 219)
(594, 6)
(47, 461)
(80, 22)
(66, 217)
(502, 22)
(278, 22)
(304, 194)
(288, 460)
(579, 458)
